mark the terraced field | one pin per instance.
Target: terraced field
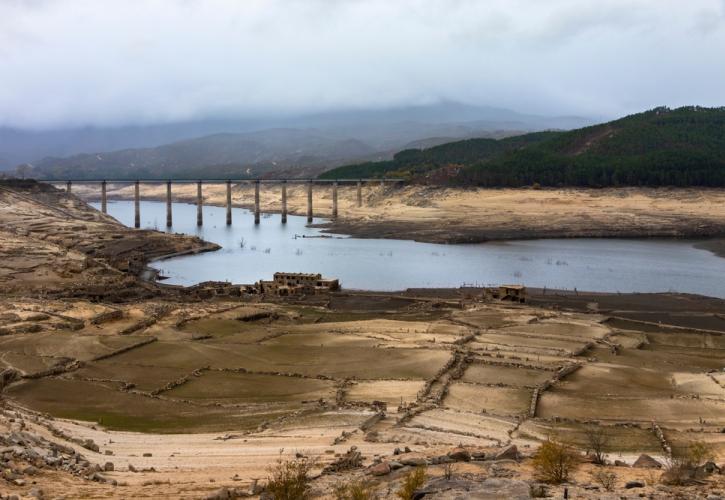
(486, 374)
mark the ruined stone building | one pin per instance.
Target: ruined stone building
(287, 284)
(514, 293)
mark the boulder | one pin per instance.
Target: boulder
(350, 460)
(30, 470)
(646, 462)
(634, 484)
(706, 469)
(108, 467)
(89, 444)
(381, 469)
(460, 455)
(394, 465)
(491, 488)
(36, 493)
(414, 461)
(508, 453)
(223, 494)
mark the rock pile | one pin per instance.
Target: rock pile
(23, 454)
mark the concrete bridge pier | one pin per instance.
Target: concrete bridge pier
(104, 201)
(284, 202)
(68, 185)
(229, 203)
(256, 201)
(309, 201)
(136, 206)
(334, 200)
(359, 194)
(169, 217)
(199, 206)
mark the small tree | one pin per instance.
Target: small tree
(411, 483)
(22, 171)
(554, 461)
(598, 442)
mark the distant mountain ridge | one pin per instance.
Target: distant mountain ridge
(342, 136)
(215, 156)
(660, 147)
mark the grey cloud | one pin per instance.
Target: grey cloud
(77, 62)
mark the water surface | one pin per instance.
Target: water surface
(252, 252)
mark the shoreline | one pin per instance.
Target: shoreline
(710, 241)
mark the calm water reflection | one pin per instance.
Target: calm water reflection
(254, 252)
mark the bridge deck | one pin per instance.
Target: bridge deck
(217, 181)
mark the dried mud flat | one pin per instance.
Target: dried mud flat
(453, 215)
(184, 395)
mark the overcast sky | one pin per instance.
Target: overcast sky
(104, 62)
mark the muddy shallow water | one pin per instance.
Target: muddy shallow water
(254, 252)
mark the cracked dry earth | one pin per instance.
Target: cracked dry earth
(209, 394)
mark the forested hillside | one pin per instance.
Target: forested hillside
(680, 147)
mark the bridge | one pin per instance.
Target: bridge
(200, 200)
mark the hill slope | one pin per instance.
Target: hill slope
(681, 147)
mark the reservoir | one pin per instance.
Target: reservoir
(251, 252)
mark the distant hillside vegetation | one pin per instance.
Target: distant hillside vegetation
(661, 147)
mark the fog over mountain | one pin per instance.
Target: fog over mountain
(83, 76)
(348, 135)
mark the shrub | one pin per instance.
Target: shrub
(289, 479)
(554, 461)
(698, 452)
(355, 490)
(678, 472)
(606, 479)
(413, 481)
(680, 468)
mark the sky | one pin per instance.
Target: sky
(68, 63)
